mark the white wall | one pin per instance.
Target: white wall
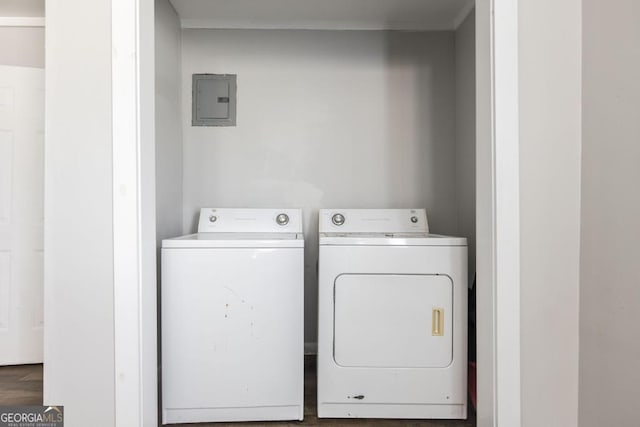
(79, 301)
(465, 44)
(610, 271)
(22, 46)
(168, 123)
(325, 119)
(550, 146)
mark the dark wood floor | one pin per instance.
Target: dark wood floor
(22, 385)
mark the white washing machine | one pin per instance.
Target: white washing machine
(232, 318)
(392, 329)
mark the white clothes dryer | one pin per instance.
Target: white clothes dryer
(232, 318)
(392, 327)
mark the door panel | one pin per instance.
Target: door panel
(393, 321)
(5, 288)
(21, 214)
(6, 174)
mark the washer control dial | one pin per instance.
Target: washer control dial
(414, 219)
(337, 219)
(282, 219)
(213, 218)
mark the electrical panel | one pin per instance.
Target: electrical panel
(214, 100)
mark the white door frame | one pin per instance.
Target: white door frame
(497, 207)
(134, 257)
(498, 213)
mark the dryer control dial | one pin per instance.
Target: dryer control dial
(213, 218)
(414, 219)
(337, 219)
(282, 219)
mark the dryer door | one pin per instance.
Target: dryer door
(393, 320)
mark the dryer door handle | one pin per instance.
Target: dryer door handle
(437, 322)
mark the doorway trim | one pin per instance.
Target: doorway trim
(498, 213)
(134, 225)
(497, 207)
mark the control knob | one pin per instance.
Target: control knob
(282, 219)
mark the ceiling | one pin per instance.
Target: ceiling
(324, 14)
(22, 8)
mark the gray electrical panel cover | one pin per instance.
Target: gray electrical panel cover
(214, 100)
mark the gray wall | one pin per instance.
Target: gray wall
(168, 123)
(325, 119)
(550, 144)
(168, 135)
(465, 41)
(22, 8)
(610, 261)
(78, 249)
(22, 46)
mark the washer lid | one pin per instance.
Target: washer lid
(236, 240)
(393, 239)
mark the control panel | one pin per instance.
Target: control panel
(373, 221)
(223, 220)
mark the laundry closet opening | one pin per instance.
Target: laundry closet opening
(336, 108)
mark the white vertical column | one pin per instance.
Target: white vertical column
(78, 249)
(550, 98)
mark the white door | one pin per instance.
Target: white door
(21, 214)
(393, 320)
